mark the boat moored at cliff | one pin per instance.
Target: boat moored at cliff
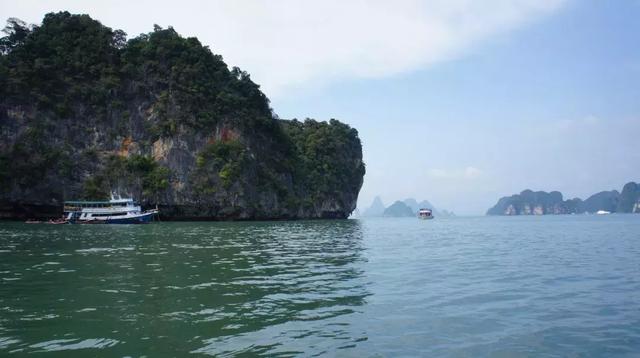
(115, 211)
(425, 214)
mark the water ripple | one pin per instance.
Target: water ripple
(390, 287)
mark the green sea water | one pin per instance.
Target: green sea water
(486, 286)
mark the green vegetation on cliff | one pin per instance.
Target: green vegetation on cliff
(327, 157)
(136, 171)
(222, 160)
(84, 111)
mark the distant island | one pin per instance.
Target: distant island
(402, 208)
(376, 209)
(542, 203)
(398, 209)
(84, 112)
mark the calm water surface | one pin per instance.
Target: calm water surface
(489, 286)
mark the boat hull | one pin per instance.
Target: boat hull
(140, 219)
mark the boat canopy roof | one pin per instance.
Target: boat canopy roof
(103, 202)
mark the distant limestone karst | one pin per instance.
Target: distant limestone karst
(425, 204)
(629, 201)
(376, 208)
(542, 203)
(399, 208)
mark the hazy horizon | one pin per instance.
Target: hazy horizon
(456, 102)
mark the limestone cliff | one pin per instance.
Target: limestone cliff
(84, 112)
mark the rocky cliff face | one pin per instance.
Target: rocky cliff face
(629, 199)
(161, 118)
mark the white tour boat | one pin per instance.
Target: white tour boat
(425, 214)
(115, 211)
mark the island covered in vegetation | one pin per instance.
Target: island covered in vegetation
(542, 203)
(85, 112)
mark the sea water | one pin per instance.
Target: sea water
(485, 286)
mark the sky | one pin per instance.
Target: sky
(458, 102)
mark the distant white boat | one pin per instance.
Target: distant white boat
(603, 212)
(425, 214)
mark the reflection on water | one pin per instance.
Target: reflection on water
(172, 288)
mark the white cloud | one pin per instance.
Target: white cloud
(472, 173)
(289, 44)
(577, 124)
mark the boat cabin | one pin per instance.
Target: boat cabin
(111, 204)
